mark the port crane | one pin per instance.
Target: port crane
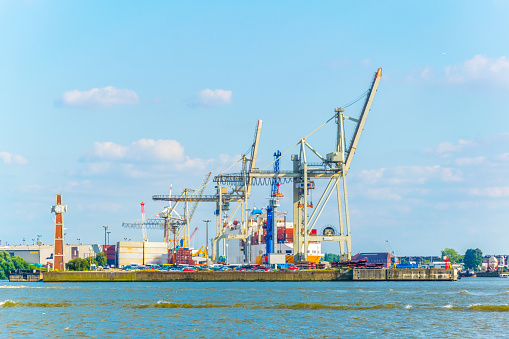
(236, 187)
(177, 225)
(239, 193)
(334, 167)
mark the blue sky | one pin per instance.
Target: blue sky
(108, 102)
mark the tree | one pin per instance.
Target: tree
(330, 257)
(473, 258)
(8, 264)
(101, 259)
(453, 256)
(78, 264)
(91, 261)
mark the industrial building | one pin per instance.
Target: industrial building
(42, 254)
(375, 258)
(141, 253)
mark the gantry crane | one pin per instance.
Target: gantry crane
(334, 166)
(170, 223)
(239, 192)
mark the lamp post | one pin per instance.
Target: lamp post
(207, 241)
(226, 253)
(79, 241)
(105, 230)
(108, 238)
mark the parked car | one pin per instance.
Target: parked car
(189, 268)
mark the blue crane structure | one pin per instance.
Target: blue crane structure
(271, 237)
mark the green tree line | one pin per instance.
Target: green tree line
(80, 264)
(472, 258)
(8, 264)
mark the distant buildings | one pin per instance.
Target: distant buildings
(44, 253)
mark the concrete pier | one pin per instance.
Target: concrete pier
(406, 274)
(358, 274)
(197, 276)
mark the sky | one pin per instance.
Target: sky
(107, 103)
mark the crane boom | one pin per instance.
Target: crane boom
(203, 184)
(254, 153)
(149, 224)
(192, 235)
(362, 119)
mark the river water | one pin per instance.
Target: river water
(469, 308)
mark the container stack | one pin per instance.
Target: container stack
(305, 265)
(142, 253)
(111, 255)
(183, 257)
(289, 234)
(321, 266)
(130, 253)
(355, 264)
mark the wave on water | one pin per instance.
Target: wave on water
(304, 306)
(406, 292)
(19, 286)
(165, 304)
(10, 303)
(488, 308)
(464, 292)
(298, 306)
(36, 287)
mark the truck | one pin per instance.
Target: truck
(287, 267)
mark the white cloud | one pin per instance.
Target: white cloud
(100, 97)
(469, 161)
(142, 158)
(492, 192)
(448, 147)
(9, 158)
(503, 157)
(196, 163)
(371, 176)
(422, 174)
(141, 150)
(213, 98)
(384, 194)
(480, 69)
(109, 150)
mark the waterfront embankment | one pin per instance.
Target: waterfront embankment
(210, 276)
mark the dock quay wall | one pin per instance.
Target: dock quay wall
(406, 274)
(359, 274)
(26, 276)
(149, 276)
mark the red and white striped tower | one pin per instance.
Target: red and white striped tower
(58, 256)
(143, 226)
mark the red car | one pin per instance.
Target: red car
(189, 268)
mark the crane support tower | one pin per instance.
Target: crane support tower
(271, 237)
